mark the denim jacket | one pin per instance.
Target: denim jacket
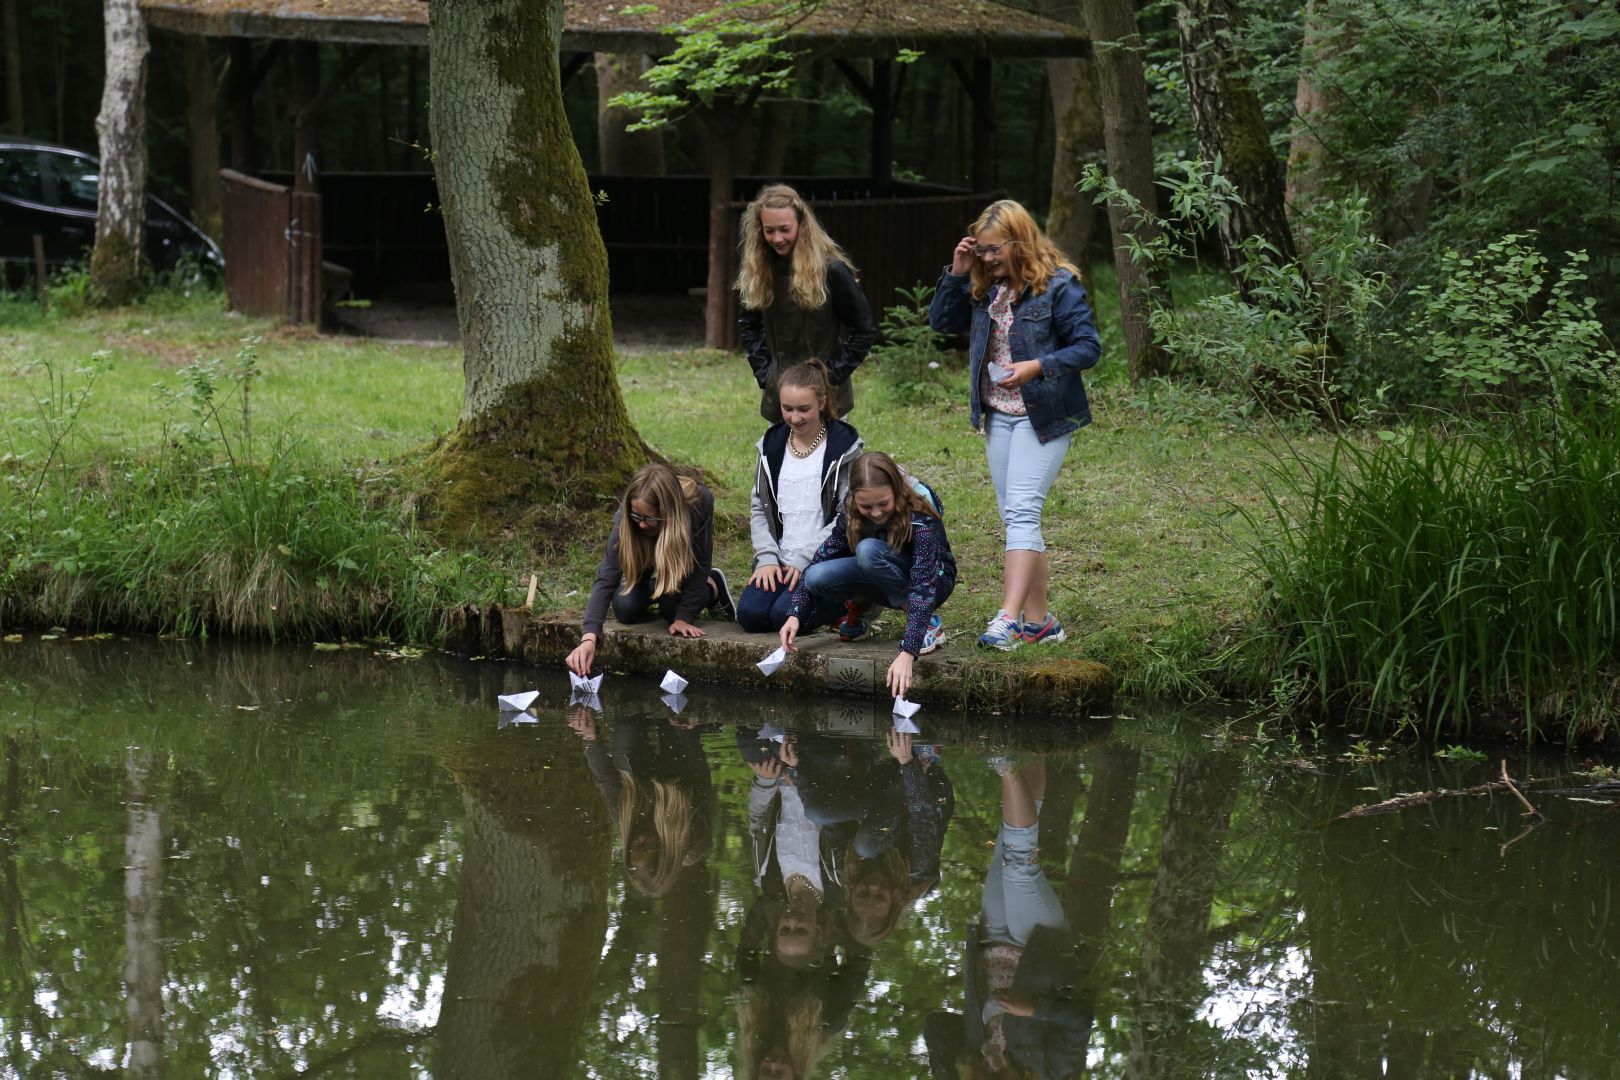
(1054, 327)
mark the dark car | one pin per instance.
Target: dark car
(50, 191)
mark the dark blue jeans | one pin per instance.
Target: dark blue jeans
(875, 574)
(761, 612)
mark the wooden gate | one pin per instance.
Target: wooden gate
(272, 248)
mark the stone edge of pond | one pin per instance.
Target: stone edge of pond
(957, 676)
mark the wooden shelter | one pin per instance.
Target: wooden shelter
(968, 34)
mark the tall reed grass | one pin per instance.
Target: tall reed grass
(1453, 577)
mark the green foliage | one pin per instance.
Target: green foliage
(1463, 754)
(1274, 342)
(732, 50)
(1493, 329)
(911, 355)
(1451, 575)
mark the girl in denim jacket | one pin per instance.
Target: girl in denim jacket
(1030, 335)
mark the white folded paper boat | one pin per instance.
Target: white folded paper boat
(772, 663)
(579, 682)
(676, 702)
(906, 726)
(905, 708)
(517, 702)
(673, 683)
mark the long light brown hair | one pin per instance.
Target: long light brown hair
(812, 374)
(872, 471)
(797, 1029)
(813, 250)
(674, 818)
(669, 554)
(1030, 256)
(891, 872)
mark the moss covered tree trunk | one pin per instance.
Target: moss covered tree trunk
(542, 420)
(115, 263)
(1230, 126)
(1116, 42)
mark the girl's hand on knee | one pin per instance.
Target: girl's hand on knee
(1022, 372)
(790, 630)
(789, 576)
(580, 660)
(899, 678)
(765, 577)
(682, 628)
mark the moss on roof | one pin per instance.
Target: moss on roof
(850, 28)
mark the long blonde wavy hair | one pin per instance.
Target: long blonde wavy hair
(1031, 257)
(797, 1029)
(811, 253)
(674, 818)
(669, 554)
(874, 470)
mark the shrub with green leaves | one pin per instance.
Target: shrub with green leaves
(910, 355)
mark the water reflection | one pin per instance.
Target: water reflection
(237, 862)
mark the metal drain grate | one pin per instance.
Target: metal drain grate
(851, 676)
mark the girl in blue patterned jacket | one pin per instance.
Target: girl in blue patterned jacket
(892, 551)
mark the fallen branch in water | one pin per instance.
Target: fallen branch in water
(1517, 794)
(1423, 798)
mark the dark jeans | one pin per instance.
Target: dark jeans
(634, 606)
(760, 612)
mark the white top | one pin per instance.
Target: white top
(798, 496)
(798, 840)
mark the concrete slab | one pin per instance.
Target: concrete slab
(958, 676)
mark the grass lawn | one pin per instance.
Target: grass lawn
(1149, 573)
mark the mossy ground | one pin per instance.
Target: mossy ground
(1148, 568)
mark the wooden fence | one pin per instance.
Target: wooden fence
(272, 248)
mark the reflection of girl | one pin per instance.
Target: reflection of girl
(657, 789)
(1019, 1020)
(894, 857)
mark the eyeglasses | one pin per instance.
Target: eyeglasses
(644, 519)
(981, 250)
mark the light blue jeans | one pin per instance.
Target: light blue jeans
(1022, 468)
(1017, 896)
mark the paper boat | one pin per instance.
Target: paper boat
(517, 702)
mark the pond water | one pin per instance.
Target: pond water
(227, 861)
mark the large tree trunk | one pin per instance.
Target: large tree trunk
(624, 153)
(115, 264)
(202, 82)
(1128, 140)
(16, 121)
(541, 418)
(1077, 113)
(1231, 128)
(531, 919)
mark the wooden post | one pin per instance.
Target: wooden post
(41, 282)
(306, 85)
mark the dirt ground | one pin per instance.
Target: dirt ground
(640, 323)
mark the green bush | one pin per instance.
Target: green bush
(1451, 574)
(911, 357)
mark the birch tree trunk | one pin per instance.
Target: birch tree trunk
(143, 917)
(624, 153)
(542, 420)
(1077, 115)
(1230, 126)
(1311, 107)
(115, 264)
(1116, 42)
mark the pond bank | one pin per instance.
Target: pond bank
(957, 676)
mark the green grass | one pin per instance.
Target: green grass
(1148, 575)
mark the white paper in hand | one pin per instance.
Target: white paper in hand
(588, 685)
(904, 708)
(517, 702)
(772, 663)
(676, 702)
(673, 683)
